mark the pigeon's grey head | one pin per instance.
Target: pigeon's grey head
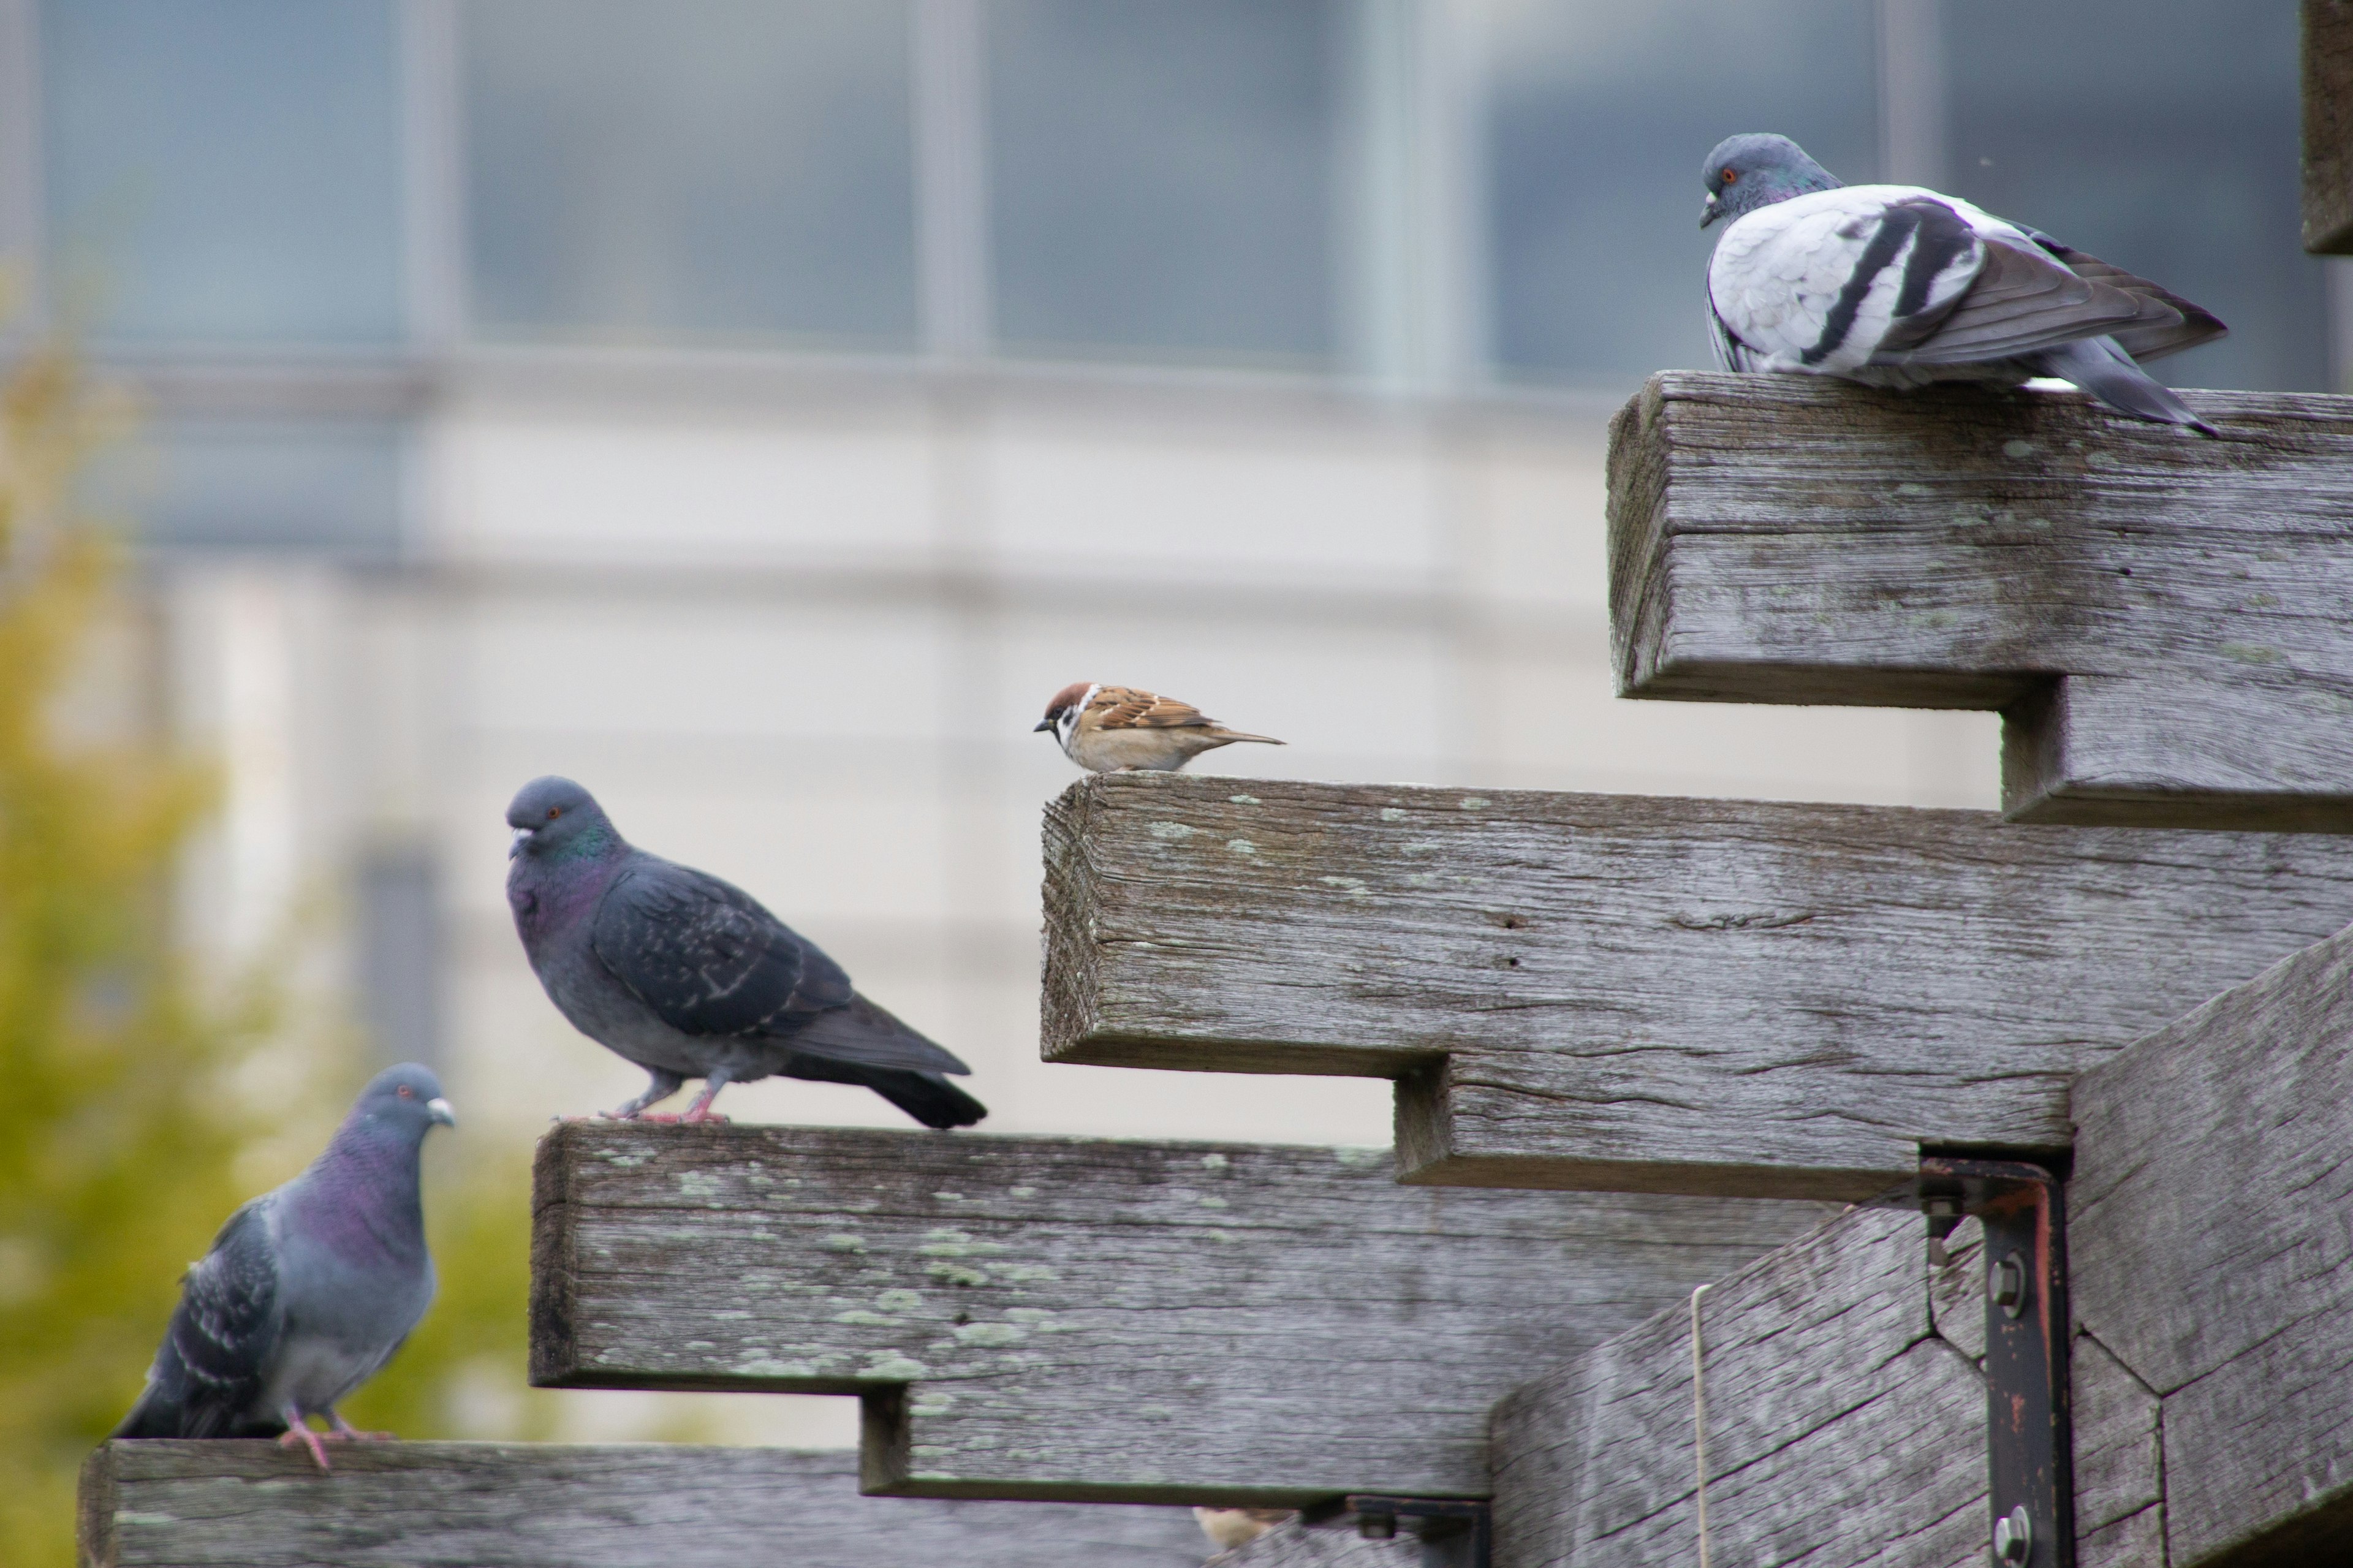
(1756, 170)
(404, 1102)
(555, 818)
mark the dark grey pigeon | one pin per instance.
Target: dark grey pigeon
(307, 1290)
(1897, 285)
(689, 977)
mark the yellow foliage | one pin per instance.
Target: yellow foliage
(117, 1133)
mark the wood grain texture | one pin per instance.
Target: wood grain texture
(1641, 994)
(1089, 1320)
(515, 1505)
(1844, 1427)
(2160, 616)
(2212, 1252)
(1839, 1430)
(2328, 127)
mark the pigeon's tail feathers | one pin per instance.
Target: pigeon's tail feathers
(2109, 373)
(925, 1095)
(865, 1036)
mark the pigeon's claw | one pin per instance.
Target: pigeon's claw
(298, 1433)
(345, 1432)
(699, 1114)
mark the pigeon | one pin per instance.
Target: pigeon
(1896, 286)
(308, 1291)
(688, 977)
(1116, 728)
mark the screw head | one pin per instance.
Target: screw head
(2013, 1538)
(2006, 1283)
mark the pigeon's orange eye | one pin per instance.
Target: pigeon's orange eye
(1731, 176)
(554, 811)
(407, 1093)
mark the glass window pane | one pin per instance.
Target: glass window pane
(719, 168)
(1161, 177)
(1601, 114)
(2170, 151)
(328, 487)
(227, 170)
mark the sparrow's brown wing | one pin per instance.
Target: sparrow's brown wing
(1124, 708)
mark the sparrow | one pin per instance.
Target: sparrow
(1228, 1528)
(1114, 729)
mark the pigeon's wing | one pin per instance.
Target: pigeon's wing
(210, 1368)
(1827, 280)
(1124, 708)
(864, 1033)
(2023, 301)
(2197, 324)
(706, 957)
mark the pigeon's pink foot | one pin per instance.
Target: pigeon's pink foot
(666, 1118)
(345, 1432)
(299, 1435)
(698, 1115)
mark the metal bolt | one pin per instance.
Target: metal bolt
(2013, 1538)
(1377, 1526)
(2005, 1284)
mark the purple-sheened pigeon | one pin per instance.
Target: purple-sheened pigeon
(308, 1289)
(688, 977)
(1897, 285)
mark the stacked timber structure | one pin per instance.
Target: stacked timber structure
(1645, 1280)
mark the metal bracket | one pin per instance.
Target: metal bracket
(2030, 1438)
(1455, 1533)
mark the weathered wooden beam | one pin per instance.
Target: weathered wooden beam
(1843, 1427)
(2159, 617)
(2212, 1257)
(518, 1505)
(2328, 127)
(1086, 1320)
(1639, 993)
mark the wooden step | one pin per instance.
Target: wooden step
(522, 1505)
(1081, 1318)
(2160, 616)
(1650, 994)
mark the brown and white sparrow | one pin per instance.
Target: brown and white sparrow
(1106, 729)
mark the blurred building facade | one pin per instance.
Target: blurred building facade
(756, 408)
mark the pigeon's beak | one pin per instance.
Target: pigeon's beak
(1709, 212)
(1042, 727)
(441, 1112)
(523, 835)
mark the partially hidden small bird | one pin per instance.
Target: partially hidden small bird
(308, 1291)
(1108, 729)
(1228, 1527)
(1897, 285)
(688, 977)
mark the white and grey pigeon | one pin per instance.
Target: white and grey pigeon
(688, 977)
(1897, 285)
(308, 1289)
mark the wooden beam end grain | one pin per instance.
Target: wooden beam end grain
(2328, 127)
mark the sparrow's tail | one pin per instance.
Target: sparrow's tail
(2109, 373)
(1228, 737)
(925, 1095)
